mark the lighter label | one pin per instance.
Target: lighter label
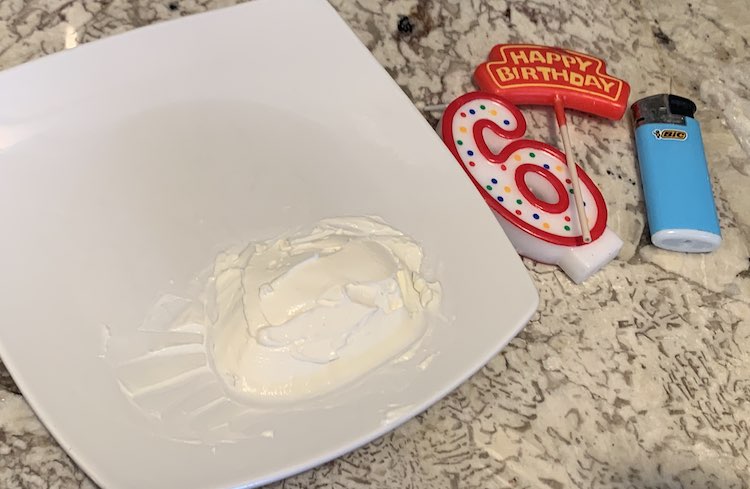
(675, 134)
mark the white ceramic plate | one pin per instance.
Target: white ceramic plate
(127, 163)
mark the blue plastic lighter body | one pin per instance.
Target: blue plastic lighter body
(674, 174)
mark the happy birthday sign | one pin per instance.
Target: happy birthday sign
(530, 74)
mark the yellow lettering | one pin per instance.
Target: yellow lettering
(568, 61)
(536, 56)
(576, 79)
(582, 63)
(544, 70)
(529, 73)
(592, 81)
(559, 74)
(518, 57)
(505, 74)
(552, 57)
(607, 85)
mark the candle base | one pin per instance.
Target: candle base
(578, 262)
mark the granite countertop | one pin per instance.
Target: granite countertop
(639, 378)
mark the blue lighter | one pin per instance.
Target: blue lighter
(679, 201)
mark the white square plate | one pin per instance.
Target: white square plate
(127, 163)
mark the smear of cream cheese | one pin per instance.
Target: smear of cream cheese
(296, 317)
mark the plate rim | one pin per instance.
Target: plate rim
(88, 464)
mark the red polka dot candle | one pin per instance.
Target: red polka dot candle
(527, 184)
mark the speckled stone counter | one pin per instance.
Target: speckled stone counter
(639, 378)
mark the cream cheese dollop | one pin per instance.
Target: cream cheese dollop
(296, 317)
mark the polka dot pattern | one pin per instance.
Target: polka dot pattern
(499, 180)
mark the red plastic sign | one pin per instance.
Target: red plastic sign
(537, 75)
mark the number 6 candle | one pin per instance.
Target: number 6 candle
(530, 74)
(528, 185)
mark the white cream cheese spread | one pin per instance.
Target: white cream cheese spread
(299, 316)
